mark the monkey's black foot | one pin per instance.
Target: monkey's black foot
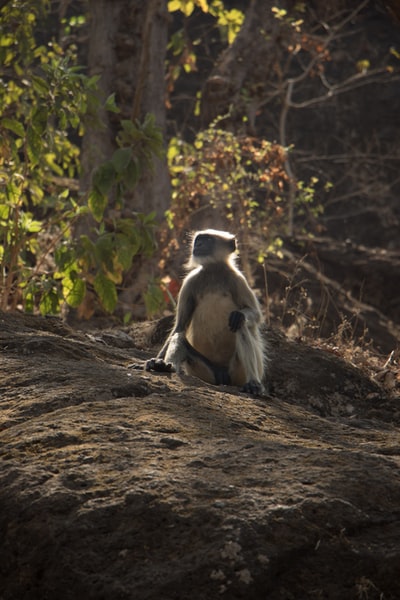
(221, 375)
(159, 365)
(253, 387)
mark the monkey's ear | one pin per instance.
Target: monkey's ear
(233, 245)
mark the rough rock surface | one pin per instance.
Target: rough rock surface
(120, 484)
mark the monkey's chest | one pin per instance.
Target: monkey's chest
(209, 331)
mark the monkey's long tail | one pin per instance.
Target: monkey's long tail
(251, 352)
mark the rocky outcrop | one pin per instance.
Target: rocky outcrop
(116, 483)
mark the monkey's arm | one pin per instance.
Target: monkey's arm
(244, 315)
(174, 351)
(249, 311)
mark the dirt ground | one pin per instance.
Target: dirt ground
(121, 484)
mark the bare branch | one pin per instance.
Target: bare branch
(283, 143)
(351, 83)
(288, 87)
(351, 16)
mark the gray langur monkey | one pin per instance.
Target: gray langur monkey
(216, 335)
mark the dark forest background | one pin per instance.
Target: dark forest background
(124, 125)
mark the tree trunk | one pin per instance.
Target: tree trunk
(127, 45)
(246, 68)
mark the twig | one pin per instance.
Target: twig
(389, 360)
(287, 165)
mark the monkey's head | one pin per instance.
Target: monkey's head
(210, 246)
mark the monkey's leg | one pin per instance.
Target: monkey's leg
(171, 355)
(204, 368)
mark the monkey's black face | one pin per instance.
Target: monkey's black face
(206, 244)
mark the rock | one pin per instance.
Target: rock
(119, 484)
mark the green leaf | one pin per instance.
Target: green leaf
(128, 127)
(125, 251)
(14, 126)
(74, 120)
(93, 81)
(104, 177)
(106, 291)
(187, 8)
(395, 52)
(97, 203)
(62, 119)
(121, 158)
(131, 175)
(34, 145)
(74, 289)
(104, 251)
(174, 5)
(7, 40)
(13, 193)
(29, 225)
(49, 303)
(40, 86)
(29, 302)
(50, 159)
(147, 242)
(363, 65)
(150, 219)
(174, 149)
(64, 258)
(39, 119)
(4, 212)
(110, 104)
(129, 228)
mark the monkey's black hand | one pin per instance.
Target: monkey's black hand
(158, 364)
(236, 320)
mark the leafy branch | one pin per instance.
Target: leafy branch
(43, 99)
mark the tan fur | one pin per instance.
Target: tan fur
(208, 331)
